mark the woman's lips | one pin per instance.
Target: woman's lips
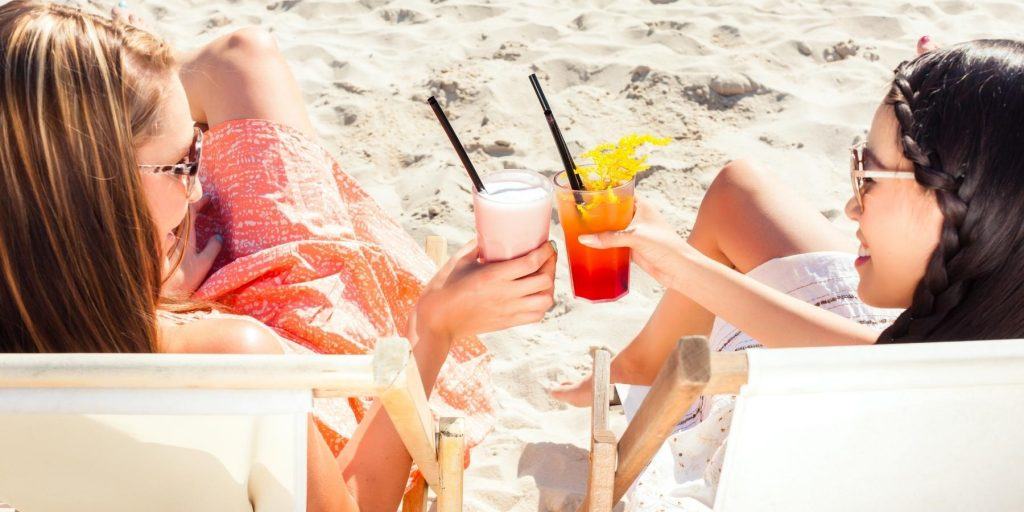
(863, 255)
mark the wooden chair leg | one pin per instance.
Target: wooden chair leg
(602, 441)
(451, 454)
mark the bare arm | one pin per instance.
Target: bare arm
(465, 298)
(773, 318)
(375, 463)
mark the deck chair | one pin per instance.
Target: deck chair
(198, 432)
(916, 427)
(208, 432)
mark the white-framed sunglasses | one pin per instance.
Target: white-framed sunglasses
(859, 176)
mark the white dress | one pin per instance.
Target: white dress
(683, 475)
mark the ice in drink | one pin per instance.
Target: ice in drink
(598, 275)
(513, 215)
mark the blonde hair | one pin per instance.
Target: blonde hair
(80, 266)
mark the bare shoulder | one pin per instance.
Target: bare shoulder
(221, 334)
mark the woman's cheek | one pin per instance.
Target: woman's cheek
(167, 202)
(916, 243)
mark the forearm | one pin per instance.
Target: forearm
(375, 462)
(773, 318)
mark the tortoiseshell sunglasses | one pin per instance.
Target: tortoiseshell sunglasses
(187, 168)
(859, 176)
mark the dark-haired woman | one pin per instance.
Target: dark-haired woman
(938, 196)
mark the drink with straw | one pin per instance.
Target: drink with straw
(513, 208)
(513, 214)
(607, 205)
(597, 274)
(593, 199)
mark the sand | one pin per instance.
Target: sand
(790, 84)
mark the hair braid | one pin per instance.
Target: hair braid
(943, 286)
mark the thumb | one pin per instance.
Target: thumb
(608, 239)
(201, 204)
(468, 252)
(925, 45)
(205, 258)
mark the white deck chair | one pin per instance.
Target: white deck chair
(916, 427)
(195, 432)
(129, 432)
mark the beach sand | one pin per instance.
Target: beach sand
(790, 84)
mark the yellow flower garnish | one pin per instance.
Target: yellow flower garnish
(615, 164)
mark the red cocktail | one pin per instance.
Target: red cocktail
(598, 275)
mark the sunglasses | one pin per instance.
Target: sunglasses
(859, 177)
(188, 168)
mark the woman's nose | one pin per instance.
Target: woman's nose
(853, 210)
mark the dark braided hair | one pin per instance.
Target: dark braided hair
(961, 116)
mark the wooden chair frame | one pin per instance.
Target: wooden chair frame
(690, 371)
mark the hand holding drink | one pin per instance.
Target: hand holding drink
(654, 244)
(507, 276)
(601, 273)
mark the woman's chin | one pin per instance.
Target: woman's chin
(876, 297)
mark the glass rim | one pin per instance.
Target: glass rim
(542, 182)
(566, 187)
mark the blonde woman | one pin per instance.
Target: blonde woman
(99, 155)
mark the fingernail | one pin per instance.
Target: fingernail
(554, 246)
(218, 238)
(925, 40)
(587, 239)
(122, 4)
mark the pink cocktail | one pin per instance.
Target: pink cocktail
(513, 216)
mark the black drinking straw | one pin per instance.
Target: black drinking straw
(563, 151)
(456, 144)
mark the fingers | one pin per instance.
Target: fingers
(925, 45)
(531, 308)
(202, 262)
(525, 265)
(122, 14)
(541, 281)
(201, 204)
(468, 251)
(463, 258)
(608, 239)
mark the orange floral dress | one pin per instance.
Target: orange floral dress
(310, 254)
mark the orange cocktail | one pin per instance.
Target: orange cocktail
(597, 274)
